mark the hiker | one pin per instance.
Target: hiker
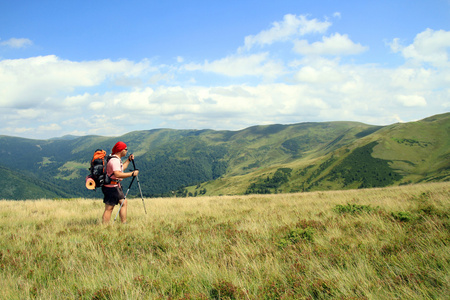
(113, 192)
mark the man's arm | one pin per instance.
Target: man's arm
(120, 174)
(127, 162)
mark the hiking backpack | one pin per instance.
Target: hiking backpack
(98, 176)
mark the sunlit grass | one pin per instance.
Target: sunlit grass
(390, 243)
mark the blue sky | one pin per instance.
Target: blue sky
(111, 67)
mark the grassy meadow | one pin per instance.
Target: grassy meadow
(386, 243)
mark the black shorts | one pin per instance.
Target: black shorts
(112, 195)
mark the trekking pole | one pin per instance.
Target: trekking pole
(125, 198)
(139, 185)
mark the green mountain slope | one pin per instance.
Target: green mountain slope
(418, 150)
(307, 156)
(396, 154)
(261, 146)
(20, 186)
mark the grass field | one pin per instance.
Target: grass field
(389, 243)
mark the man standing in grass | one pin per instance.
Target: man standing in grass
(113, 192)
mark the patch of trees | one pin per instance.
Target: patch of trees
(270, 184)
(360, 167)
(322, 167)
(412, 142)
(164, 173)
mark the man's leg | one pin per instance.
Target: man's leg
(123, 211)
(107, 213)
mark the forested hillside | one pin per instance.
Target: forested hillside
(258, 159)
(401, 153)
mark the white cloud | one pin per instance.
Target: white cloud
(395, 45)
(336, 44)
(32, 81)
(319, 71)
(322, 89)
(412, 100)
(291, 26)
(97, 106)
(16, 43)
(241, 65)
(429, 46)
(418, 78)
(50, 127)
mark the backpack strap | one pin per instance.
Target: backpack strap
(109, 157)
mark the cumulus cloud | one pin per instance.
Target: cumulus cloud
(429, 46)
(318, 71)
(291, 26)
(335, 44)
(16, 43)
(412, 100)
(258, 64)
(32, 81)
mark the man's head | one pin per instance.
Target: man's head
(119, 147)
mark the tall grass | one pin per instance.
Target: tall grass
(390, 243)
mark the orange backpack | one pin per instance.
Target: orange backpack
(98, 176)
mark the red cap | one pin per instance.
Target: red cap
(119, 146)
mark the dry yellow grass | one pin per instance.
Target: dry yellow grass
(388, 243)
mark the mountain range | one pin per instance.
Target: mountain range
(260, 159)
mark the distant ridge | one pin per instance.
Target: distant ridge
(259, 159)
